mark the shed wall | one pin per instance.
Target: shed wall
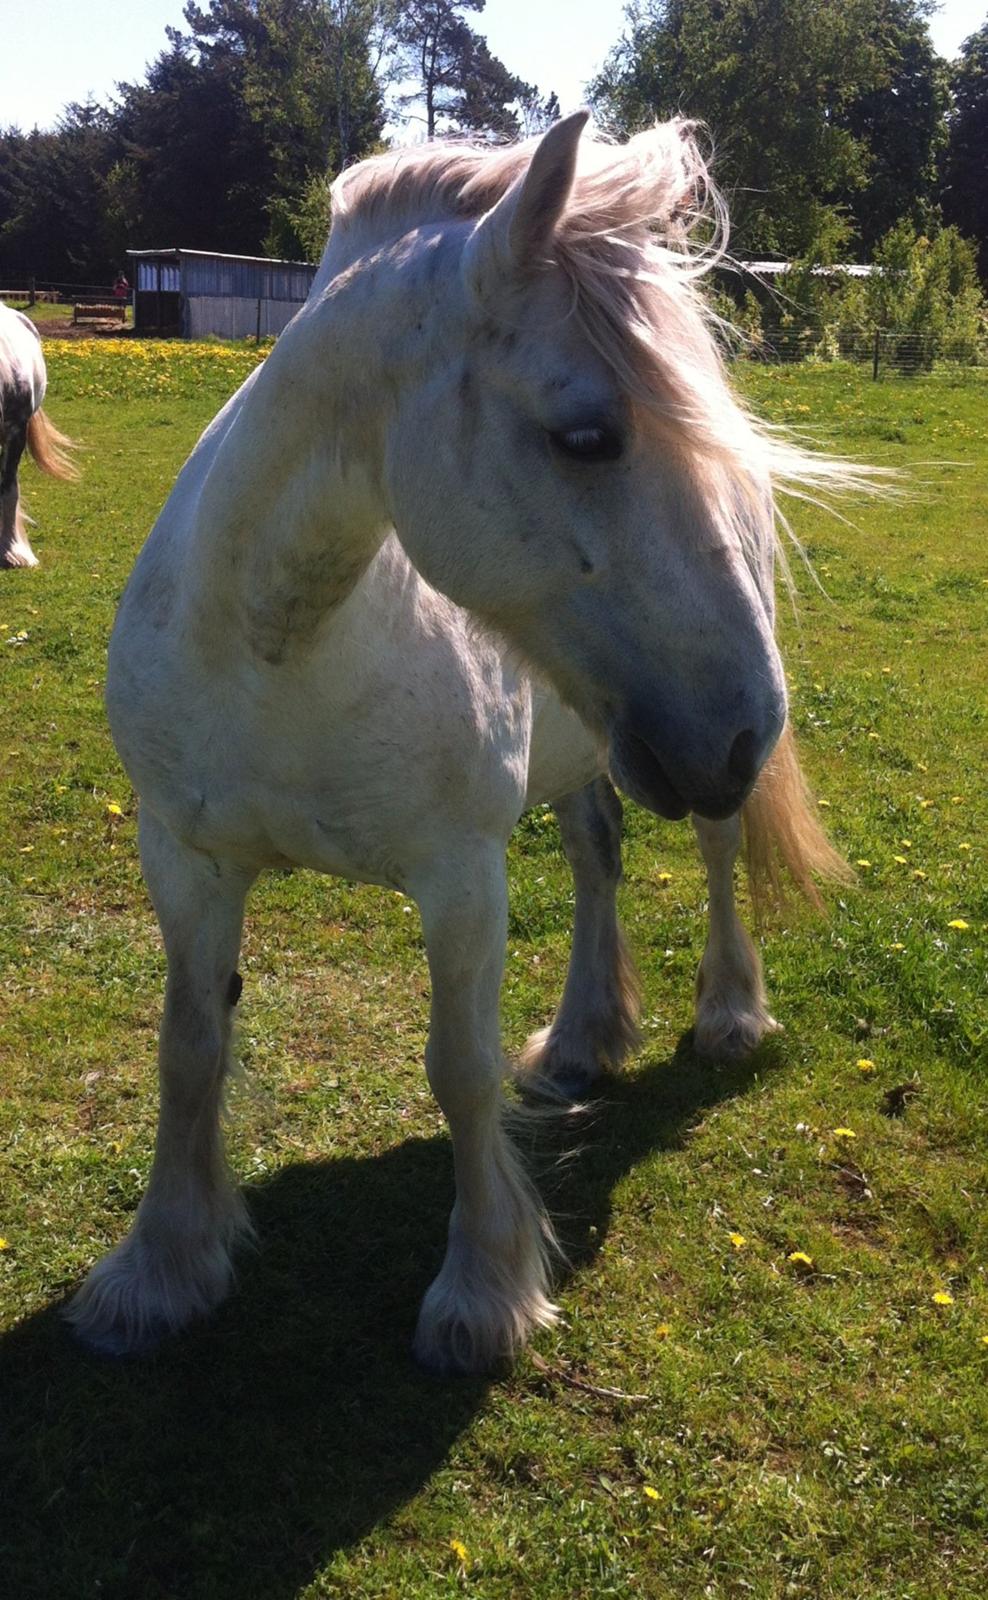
(236, 317)
(228, 278)
(158, 275)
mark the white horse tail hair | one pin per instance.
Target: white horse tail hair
(49, 448)
(785, 844)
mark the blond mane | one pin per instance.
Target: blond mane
(643, 225)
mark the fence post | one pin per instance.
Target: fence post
(875, 354)
(31, 290)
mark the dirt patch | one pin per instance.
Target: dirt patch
(82, 330)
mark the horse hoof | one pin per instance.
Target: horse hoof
(117, 1343)
(571, 1082)
(444, 1366)
(736, 1042)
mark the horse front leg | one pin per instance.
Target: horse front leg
(175, 1264)
(732, 1015)
(596, 1026)
(15, 550)
(492, 1290)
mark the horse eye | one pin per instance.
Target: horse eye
(589, 444)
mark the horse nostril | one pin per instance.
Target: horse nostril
(743, 758)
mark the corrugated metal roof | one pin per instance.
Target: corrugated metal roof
(176, 252)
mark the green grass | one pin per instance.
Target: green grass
(813, 1435)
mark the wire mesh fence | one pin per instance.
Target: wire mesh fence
(884, 350)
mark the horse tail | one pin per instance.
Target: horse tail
(784, 840)
(50, 448)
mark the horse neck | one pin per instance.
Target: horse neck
(293, 507)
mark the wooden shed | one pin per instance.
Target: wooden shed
(198, 293)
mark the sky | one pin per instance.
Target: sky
(55, 52)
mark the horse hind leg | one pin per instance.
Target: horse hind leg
(596, 1026)
(732, 1015)
(15, 548)
(492, 1289)
(176, 1263)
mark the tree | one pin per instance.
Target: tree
(195, 169)
(802, 98)
(460, 84)
(900, 119)
(229, 141)
(358, 43)
(304, 74)
(53, 192)
(538, 112)
(965, 199)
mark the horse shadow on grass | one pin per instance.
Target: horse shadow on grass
(234, 1463)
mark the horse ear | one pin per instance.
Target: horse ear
(514, 238)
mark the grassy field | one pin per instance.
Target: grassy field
(789, 1428)
(47, 313)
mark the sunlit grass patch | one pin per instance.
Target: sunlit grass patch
(780, 1266)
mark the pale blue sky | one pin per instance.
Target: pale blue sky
(56, 50)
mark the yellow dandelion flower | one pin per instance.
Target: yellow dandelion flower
(799, 1258)
(925, 805)
(663, 1330)
(919, 875)
(943, 1298)
(964, 846)
(960, 924)
(4, 1244)
(663, 877)
(984, 1338)
(896, 945)
(26, 849)
(114, 810)
(649, 1492)
(865, 1064)
(825, 804)
(906, 844)
(957, 799)
(922, 766)
(738, 1240)
(459, 1550)
(902, 861)
(862, 863)
(844, 1133)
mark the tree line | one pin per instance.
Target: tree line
(833, 121)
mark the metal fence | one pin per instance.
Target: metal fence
(23, 288)
(884, 350)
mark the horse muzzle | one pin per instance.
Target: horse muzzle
(671, 783)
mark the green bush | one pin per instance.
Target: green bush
(924, 301)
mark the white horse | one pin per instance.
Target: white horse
(487, 525)
(22, 422)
